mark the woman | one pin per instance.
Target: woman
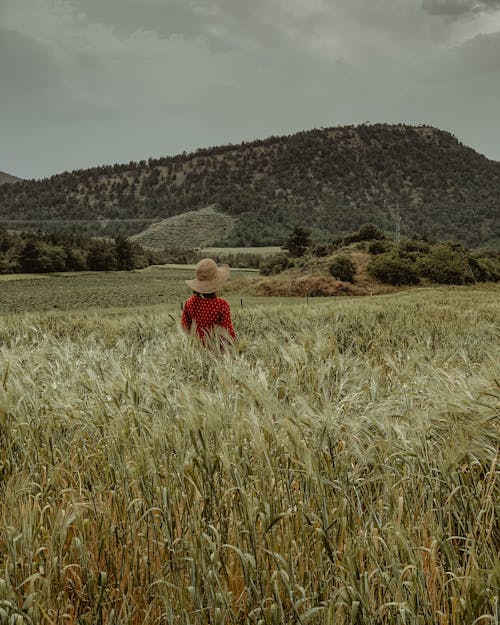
(204, 310)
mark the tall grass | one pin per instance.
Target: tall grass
(338, 466)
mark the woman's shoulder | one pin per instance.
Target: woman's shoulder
(222, 302)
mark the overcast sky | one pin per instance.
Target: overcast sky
(89, 82)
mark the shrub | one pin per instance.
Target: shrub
(336, 243)
(414, 245)
(9, 265)
(392, 269)
(342, 269)
(446, 263)
(275, 264)
(322, 249)
(378, 247)
(485, 268)
(367, 232)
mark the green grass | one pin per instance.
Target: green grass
(338, 466)
(159, 285)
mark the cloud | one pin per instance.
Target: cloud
(114, 80)
(28, 71)
(457, 8)
(479, 55)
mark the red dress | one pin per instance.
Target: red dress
(207, 314)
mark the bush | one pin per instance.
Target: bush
(392, 269)
(275, 264)
(336, 243)
(378, 247)
(446, 263)
(414, 246)
(322, 249)
(479, 270)
(342, 269)
(485, 266)
(367, 232)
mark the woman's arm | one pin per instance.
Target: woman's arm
(186, 319)
(226, 321)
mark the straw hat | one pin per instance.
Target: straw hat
(209, 277)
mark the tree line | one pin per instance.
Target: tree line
(28, 252)
(54, 252)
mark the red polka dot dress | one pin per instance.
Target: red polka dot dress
(207, 314)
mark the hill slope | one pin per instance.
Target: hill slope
(188, 230)
(8, 178)
(331, 180)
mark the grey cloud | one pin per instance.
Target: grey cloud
(479, 55)
(26, 65)
(127, 16)
(224, 24)
(457, 8)
(476, 61)
(118, 80)
(29, 73)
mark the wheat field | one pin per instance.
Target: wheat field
(337, 466)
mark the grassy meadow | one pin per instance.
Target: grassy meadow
(161, 285)
(337, 466)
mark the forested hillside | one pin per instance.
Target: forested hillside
(331, 180)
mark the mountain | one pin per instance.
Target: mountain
(331, 180)
(7, 178)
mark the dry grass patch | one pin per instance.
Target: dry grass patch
(303, 286)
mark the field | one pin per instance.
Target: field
(337, 466)
(156, 285)
(187, 230)
(260, 251)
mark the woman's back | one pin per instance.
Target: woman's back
(207, 313)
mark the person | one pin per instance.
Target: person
(205, 311)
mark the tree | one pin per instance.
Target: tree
(343, 269)
(124, 254)
(101, 257)
(29, 256)
(36, 256)
(6, 240)
(76, 259)
(299, 242)
(52, 258)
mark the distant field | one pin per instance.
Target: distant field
(263, 251)
(159, 285)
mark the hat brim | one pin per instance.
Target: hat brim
(210, 286)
